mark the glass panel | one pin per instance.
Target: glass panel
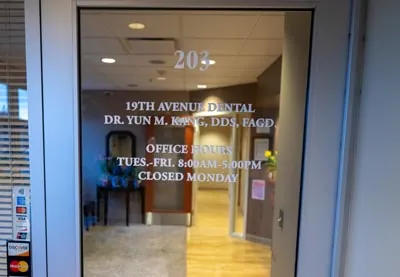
(14, 139)
(199, 95)
(169, 195)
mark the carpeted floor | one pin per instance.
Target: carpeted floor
(135, 251)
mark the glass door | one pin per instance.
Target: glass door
(195, 98)
(149, 80)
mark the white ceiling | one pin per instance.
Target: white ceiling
(243, 44)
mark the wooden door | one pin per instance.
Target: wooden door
(185, 206)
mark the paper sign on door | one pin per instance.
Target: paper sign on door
(258, 189)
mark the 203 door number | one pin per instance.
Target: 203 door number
(193, 59)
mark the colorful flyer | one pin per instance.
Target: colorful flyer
(21, 213)
(258, 189)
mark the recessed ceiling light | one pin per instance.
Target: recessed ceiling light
(161, 78)
(211, 62)
(201, 86)
(157, 62)
(108, 60)
(137, 26)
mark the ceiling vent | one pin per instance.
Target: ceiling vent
(151, 46)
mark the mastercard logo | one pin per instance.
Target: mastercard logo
(21, 266)
(21, 210)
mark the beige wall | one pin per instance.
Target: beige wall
(269, 86)
(214, 136)
(244, 141)
(260, 213)
(235, 94)
(268, 93)
(291, 135)
(276, 134)
(374, 225)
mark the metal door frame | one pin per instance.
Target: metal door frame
(52, 65)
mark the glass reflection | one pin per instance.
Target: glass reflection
(186, 104)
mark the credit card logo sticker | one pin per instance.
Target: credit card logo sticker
(21, 200)
(21, 210)
(21, 218)
(19, 266)
(22, 235)
(18, 249)
(23, 266)
(22, 228)
(14, 266)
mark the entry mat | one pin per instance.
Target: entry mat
(135, 251)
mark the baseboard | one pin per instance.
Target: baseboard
(258, 239)
(180, 219)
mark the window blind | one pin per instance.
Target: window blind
(14, 143)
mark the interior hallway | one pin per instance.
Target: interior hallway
(210, 249)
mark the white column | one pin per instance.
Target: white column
(61, 134)
(374, 225)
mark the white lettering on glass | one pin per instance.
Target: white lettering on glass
(140, 106)
(184, 149)
(139, 120)
(224, 164)
(258, 122)
(193, 177)
(130, 161)
(188, 121)
(192, 60)
(180, 107)
(151, 166)
(231, 107)
(193, 107)
(223, 122)
(112, 119)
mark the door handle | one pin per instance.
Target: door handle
(280, 219)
